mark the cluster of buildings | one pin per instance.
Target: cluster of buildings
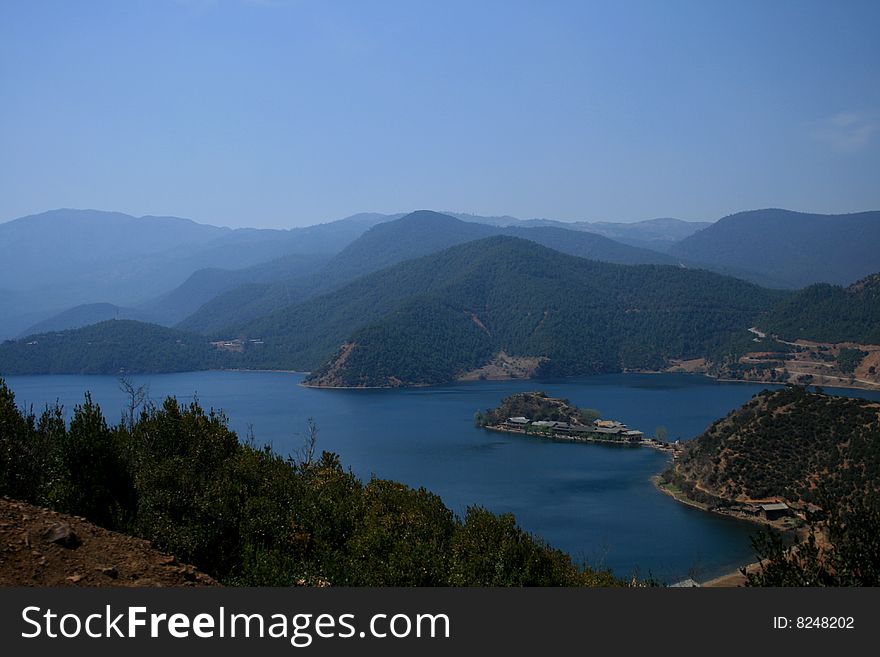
(767, 510)
(236, 345)
(598, 430)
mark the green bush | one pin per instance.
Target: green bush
(179, 477)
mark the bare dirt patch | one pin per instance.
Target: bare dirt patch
(503, 367)
(39, 547)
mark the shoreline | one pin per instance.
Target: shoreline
(856, 386)
(680, 496)
(666, 448)
(734, 578)
(246, 369)
(839, 386)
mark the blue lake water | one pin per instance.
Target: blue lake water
(594, 501)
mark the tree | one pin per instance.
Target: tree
(305, 455)
(841, 549)
(660, 433)
(136, 396)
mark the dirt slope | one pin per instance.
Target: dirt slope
(39, 547)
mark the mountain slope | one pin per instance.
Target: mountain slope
(426, 320)
(417, 234)
(422, 232)
(829, 313)
(787, 444)
(576, 316)
(794, 248)
(84, 315)
(431, 319)
(107, 348)
(207, 284)
(654, 234)
(63, 258)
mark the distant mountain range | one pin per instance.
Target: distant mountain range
(355, 286)
(63, 258)
(416, 234)
(655, 234)
(792, 249)
(434, 318)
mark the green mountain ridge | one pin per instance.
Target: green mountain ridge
(829, 313)
(417, 234)
(507, 294)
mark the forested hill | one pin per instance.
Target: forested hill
(415, 235)
(433, 319)
(108, 348)
(423, 232)
(788, 444)
(794, 249)
(829, 313)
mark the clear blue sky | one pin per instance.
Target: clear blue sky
(283, 113)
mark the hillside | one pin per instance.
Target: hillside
(84, 315)
(227, 312)
(422, 232)
(829, 313)
(46, 548)
(414, 235)
(107, 348)
(205, 285)
(176, 475)
(792, 248)
(789, 445)
(537, 406)
(457, 310)
(655, 234)
(63, 258)
(442, 316)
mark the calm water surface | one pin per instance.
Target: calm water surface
(594, 501)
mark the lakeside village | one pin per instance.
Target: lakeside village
(533, 413)
(600, 431)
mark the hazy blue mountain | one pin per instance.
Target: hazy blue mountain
(63, 258)
(83, 315)
(423, 232)
(242, 304)
(207, 284)
(656, 234)
(796, 249)
(416, 234)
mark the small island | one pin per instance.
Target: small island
(534, 413)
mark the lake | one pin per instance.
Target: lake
(594, 501)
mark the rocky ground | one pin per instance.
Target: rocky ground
(39, 547)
